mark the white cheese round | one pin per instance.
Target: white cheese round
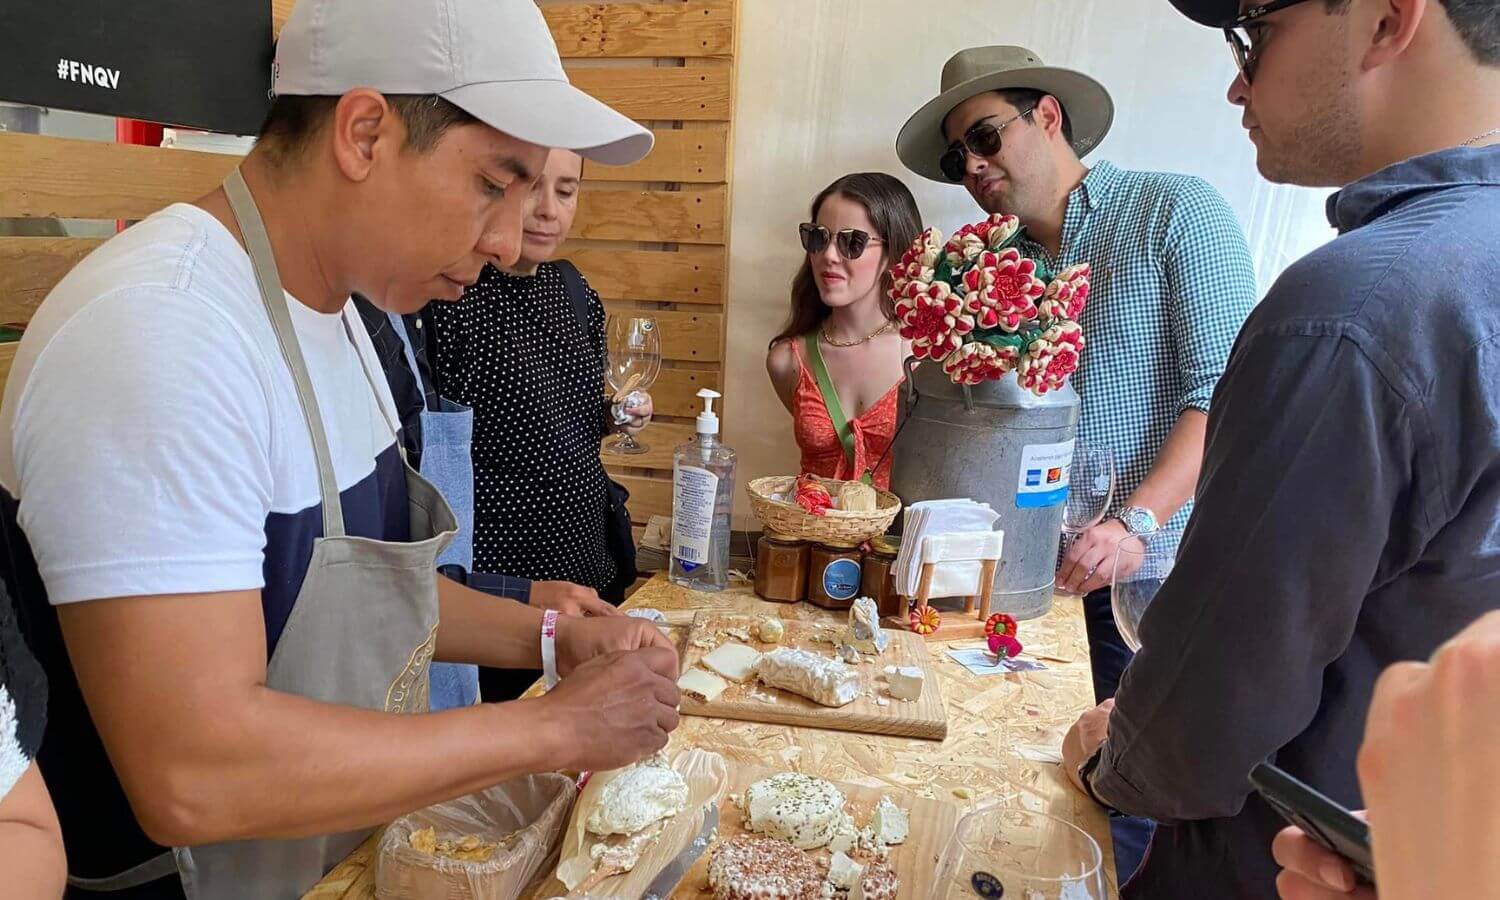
(804, 811)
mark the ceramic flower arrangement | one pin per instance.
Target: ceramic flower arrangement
(983, 309)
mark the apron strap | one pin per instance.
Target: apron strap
(263, 260)
(830, 397)
(399, 324)
(388, 415)
(153, 869)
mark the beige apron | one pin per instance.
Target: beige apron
(362, 631)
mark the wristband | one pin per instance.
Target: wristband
(549, 649)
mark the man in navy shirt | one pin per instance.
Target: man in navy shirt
(1350, 491)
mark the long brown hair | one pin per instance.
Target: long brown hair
(893, 212)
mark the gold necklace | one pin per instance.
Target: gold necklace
(823, 332)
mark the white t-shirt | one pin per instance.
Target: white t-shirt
(152, 434)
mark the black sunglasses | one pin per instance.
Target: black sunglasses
(1240, 44)
(851, 242)
(982, 139)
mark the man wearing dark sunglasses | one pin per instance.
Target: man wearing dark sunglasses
(1347, 512)
(1172, 283)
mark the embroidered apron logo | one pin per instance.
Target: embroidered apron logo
(84, 73)
(409, 692)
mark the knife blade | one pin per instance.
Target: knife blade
(666, 880)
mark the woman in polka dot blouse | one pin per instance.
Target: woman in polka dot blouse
(515, 350)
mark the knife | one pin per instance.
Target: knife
(666, 880)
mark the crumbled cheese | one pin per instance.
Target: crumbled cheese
(771, 630)
(705, 684)
(889, 823)
(734, 661)
(881, 701)
(705, 641)
(843, 872)
(739, 633)
(637, 797)
(848, 654)
(904, 682)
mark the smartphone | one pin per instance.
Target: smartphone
(1332, 826)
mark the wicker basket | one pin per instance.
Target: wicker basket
(835, 527)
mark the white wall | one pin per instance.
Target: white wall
(824, 85)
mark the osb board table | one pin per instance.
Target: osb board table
(1004, 731)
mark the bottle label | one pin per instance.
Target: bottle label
(1044, 475)
(694, 492)
(841, 579)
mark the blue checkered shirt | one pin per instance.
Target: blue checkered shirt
(1172, 284)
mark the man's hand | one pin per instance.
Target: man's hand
(581, 639)
(640, 408)
(1084, 740)
(1311, 873)
(570, 599)
(615, 708)
(1089, 563)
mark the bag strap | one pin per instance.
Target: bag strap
(578, 294)
(841, 424)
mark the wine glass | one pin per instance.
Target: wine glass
(1091, 490)
(1142, 564)
(634, 360)
(1091, 486)
(1002, 851)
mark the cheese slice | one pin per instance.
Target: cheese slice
(734, 661)
(705, 684)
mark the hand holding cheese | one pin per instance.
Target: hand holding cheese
(614, 709)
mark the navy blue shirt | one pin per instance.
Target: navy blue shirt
(1348, 517)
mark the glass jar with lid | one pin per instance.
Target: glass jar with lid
(879, 575)
(834, 576)
(781, 568)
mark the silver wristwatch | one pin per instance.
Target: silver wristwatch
(1137, 520)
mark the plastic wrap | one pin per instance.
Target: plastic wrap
(525, 817)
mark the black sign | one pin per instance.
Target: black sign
(203, 64)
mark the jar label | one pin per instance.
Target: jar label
(841, 579)
(1044, 475)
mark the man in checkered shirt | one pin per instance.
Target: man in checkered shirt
(1172, 284)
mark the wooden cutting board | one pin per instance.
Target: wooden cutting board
(925, 717)
(915, 862)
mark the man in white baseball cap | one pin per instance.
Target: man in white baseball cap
(228, 568)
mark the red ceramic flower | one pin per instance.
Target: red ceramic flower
(977, 361)
(1004, 647)
(1004, 294)
(1051, 358)
(1067, 293)
(999, 229)
(1000, 623)
(932, 318)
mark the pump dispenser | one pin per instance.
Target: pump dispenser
(702, 498)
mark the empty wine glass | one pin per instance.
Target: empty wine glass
(633, 362)
(1091, 491)
(1142, 564)
(1091, 486)
(1000, 851)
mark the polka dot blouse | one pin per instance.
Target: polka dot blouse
(516, 352)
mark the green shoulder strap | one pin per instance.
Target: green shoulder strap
(841, 424)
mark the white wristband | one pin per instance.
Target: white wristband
(549, 649)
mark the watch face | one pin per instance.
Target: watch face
(1138, 521)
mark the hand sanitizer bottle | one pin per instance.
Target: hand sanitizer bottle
(702, 497)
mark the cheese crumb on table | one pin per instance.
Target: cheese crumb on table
(904, 682)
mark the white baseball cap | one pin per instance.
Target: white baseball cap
(494, 59)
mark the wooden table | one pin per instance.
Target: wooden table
(1004, 731)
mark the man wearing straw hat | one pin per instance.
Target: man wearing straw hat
(1172, 283)
(228, 568)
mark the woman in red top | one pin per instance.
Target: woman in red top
(836, 365)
